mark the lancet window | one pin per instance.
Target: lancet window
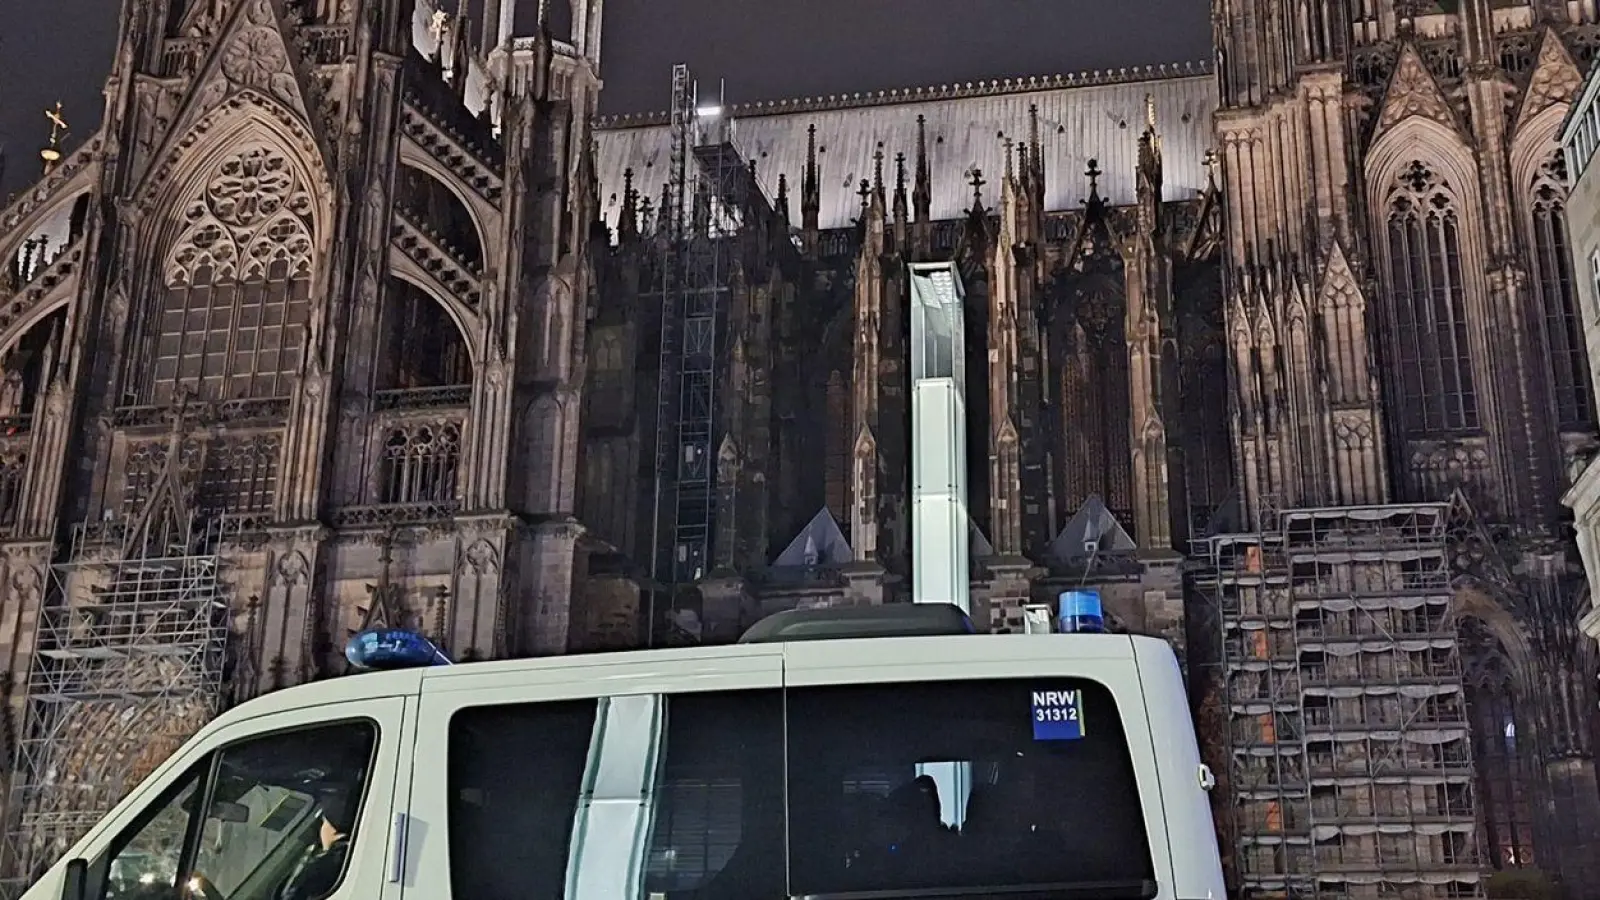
(1558, 303)
(236, 283)
(1428, 339)
(419, 464)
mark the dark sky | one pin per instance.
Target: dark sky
(765, 49)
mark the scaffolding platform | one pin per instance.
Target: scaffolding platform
(128, 662)
(1350, 758)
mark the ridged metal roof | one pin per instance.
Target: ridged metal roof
(1078, 122)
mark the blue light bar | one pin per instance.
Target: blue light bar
(1079, 612)
(380, 649)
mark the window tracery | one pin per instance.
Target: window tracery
(239, 475)
(419, 464)
(1428, 339)
(236, 285)
(1558, 305)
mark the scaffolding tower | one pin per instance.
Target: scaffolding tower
(1350, 772)
(128, 662)
(710, 192)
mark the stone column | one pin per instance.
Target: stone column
(546, 580)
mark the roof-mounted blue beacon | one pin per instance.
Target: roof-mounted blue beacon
(381, 649)
(1078, 612)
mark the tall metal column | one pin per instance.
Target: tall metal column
(940, 526)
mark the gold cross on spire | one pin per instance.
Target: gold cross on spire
(51, 154)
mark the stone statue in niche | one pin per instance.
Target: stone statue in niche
(11, 387)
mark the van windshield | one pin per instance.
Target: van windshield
(887, 790)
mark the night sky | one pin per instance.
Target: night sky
(765, 49)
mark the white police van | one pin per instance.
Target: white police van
(806, 761)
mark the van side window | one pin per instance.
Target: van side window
(144, 860)
(282, 810)
(687, 788)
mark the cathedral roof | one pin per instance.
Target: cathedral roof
(1080, 118)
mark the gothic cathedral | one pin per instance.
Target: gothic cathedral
(354, 314)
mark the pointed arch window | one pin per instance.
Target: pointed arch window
(1505, 765)
(1428, 341)
(1572, 398)
(235, 294)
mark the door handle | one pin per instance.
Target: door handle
(397, 848)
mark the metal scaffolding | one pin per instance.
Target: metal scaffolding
(128, 662)
(709, 191)
(1350, 768)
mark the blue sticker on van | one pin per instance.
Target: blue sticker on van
(1057, 715)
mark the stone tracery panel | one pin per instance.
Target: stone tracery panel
(234, 295)
(1429, 357)
(420, 463)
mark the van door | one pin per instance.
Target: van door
(599, 778)
(295, 805)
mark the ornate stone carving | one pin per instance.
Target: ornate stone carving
(482, 557)
(25, 583)
(254, 209)
(1445, 466)
(1353, 430)
(1555, 79)
(1413, 92)
(292, 569)
(1339, 288)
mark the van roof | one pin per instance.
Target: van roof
(844, 651)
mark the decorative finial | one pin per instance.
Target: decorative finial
(51, 154)
(1211, 161)
(1150, 112)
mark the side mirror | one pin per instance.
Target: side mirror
(75, 880)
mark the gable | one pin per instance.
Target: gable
(1412, 92)
(1555, 79)
(251, 66)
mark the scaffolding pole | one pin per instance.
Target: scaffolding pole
(1349, 751)
(128, 662)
